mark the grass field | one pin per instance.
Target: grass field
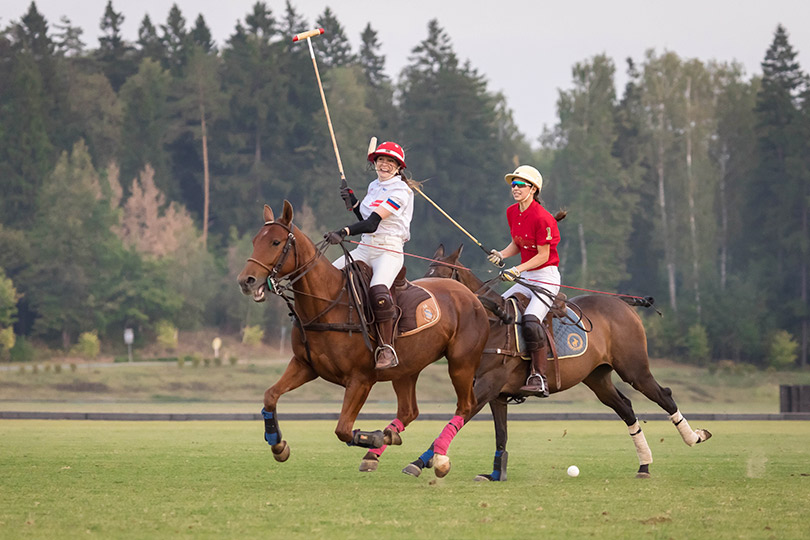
(165, 387)
(66, 479)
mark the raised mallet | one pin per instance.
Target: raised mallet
(307, 35)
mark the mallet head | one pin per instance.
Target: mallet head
(308, 34)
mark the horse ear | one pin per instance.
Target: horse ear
(439, 252)
(268, 214)
(456, 254)
(287, 213)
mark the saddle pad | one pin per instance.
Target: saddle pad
(419, 307)
(569, 339)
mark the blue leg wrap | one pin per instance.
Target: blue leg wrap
(271, 432)
(427, 456)
(496, 466)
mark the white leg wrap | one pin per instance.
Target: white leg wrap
(689, 436)
(642, 448)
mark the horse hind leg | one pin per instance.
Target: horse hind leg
(498, 407)
(648, 386)
(601, 384)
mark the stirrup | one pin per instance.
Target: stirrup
(392, 364)
(539, 390)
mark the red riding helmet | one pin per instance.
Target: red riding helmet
(390, 149)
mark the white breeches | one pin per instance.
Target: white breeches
(382, 253)
(549, 279)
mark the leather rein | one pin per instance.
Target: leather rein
(274, 282)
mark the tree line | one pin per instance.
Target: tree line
(133, 175)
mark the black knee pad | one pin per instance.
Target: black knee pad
(533, 332)
(382, 302)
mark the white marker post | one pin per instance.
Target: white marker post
(129, 337)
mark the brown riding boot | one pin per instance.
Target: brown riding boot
(534, 335)
(385, 356)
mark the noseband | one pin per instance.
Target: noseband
(285, 252)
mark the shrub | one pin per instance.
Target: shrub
(195, 360)
(181, 361)
(783, 350)
(7, 340)
(22, 351)
(253, 335)
(233, 360)
(57, 368)
(73, 368)
(697, 344)
(206, 362)
(217, 361)
(88, 346)
(167, 335)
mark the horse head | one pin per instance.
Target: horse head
(271, 259)
(443, 266)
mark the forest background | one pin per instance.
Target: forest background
(132, 177)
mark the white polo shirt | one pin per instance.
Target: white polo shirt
(395, 196)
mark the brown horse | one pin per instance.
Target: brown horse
(617, 342)
(326, 344)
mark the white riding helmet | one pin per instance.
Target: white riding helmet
(527, 173)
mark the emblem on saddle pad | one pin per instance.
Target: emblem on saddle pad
(569, 339)
(420, 310)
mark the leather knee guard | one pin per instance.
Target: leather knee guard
(382, 303)
(533, 332)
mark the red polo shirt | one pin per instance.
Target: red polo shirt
(532, 228)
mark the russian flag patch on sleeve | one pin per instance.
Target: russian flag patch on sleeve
(393, 204)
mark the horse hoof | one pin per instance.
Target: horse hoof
(412, 470)
(391, 437)
(281, 451)
(484, 478)
(643, 475)
(441, 465)
(703, 435)
(369, 465)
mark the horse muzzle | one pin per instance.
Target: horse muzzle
(253, 287)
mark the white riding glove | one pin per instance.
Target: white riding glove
(495, 257)
(510, 274)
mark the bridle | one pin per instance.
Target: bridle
(285, 252)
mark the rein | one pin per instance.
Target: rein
(276, 285)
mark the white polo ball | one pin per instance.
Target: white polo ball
(573, 471)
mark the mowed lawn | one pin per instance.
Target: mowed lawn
(84, 479)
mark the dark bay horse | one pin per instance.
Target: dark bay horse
(617, 342)
(286, 258)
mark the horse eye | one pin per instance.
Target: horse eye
(276, 242)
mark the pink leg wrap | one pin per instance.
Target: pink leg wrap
(397, 426)
(441, 444)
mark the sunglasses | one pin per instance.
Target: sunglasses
(518, 183)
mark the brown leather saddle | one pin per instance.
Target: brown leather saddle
(417, 308)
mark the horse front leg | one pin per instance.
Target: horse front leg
(353, 400)
(297, 373)
(407, 411)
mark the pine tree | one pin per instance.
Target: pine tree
(333, 46)
(113, 52)
(783, 180)
(150, 44)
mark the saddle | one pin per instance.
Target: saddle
(567, 338)
(417, 308)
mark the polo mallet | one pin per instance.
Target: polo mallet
(307, 35)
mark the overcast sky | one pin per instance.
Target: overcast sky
(525, 48)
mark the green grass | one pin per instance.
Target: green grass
(165, 387)
(65, 479)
